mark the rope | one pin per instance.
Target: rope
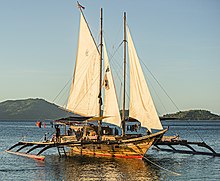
(196, 132)
(160, 85)
(83, 68)
(116, 65)
(62, 89)
(174, 173)
(158, 97)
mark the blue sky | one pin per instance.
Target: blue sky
(179, 41)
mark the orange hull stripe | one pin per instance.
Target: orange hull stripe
(110, 155)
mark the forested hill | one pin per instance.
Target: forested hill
(30, 109)
(192, 115)
(40, 109)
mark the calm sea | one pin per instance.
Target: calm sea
(191, 167)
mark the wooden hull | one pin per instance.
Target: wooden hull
(126, 148)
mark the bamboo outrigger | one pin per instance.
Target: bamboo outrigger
(175, 141)
(169, 141)
(33, 146)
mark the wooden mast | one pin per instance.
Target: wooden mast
(100, 83)
(123, 106)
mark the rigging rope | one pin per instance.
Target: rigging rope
(115, 64)
(65, 97)
(170, 98)
(174, 173)
(158, 97)
(160, 85)
(62, 89)
(83, 68)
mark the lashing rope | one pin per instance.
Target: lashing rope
(174, 173)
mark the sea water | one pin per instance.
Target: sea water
(190, 167)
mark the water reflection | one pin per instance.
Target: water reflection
(40, 173)
(93, 168)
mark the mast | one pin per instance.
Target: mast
(100, 83)
(123, 105)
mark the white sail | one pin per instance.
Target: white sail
(111, 110)
(84, 91)
(141, 104)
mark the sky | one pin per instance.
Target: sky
(178, 41)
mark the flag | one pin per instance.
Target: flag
(107, 69)
(106, 82)
(80, 6)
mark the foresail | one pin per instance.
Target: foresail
(141, 104)
(84, 91)
(111, 110)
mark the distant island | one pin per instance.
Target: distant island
(40, 109)
(30, 109)
(192, 115)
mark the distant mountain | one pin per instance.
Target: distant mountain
(30, 109)
(192, 115)
(40, 109)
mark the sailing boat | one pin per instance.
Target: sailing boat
(86, 100)
(107, 134)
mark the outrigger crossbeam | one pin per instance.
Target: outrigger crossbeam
(171, 143)
(35, 145)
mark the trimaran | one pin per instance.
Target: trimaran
(107, 134)
(85, 99)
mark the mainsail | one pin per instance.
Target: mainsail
(111, 110)
(141, 104)
(84, 91)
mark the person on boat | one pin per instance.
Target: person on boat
(128, 127)
(81, 132)
(69, 132)
(78, 134)
(148, 132)
(53, 138)
(116, 131)
(136, 127)
(57, 133)
(51, 123)
(87, 133)
(45, 137)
